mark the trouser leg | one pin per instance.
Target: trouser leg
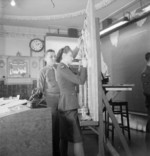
(52, 102)
(64, 147)
(55, 133)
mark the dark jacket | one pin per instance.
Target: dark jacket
(145, 78)
(67, 82)
(47, 82)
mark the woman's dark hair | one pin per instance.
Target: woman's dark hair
(65, 50)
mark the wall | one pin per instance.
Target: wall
(14, 41)
(124, 52)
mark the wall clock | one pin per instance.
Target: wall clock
(36, 45)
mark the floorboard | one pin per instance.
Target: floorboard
(137, 144)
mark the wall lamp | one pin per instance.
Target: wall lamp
(143, 10)
(114, 26)
(126, 19)
(146, 9)
(13, 3)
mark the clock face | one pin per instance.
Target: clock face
(36, 45)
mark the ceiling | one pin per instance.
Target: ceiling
(61, 13)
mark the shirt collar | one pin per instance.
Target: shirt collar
(50, 67)
(65, 64)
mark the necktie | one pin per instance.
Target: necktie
(55, 73)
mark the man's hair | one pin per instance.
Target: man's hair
(147, 56)
(49, 51)
(65, 50)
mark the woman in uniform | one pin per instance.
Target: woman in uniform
(68, 103)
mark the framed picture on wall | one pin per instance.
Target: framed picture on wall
(18, 67)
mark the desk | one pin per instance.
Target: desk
(113, 90)
(26, 133)
(120, 87)
(109, 88)
(95, 126)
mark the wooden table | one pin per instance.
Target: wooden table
(118, 87)
(113, 90)
(109, 88)
(25, 131)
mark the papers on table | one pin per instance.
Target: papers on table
(8, 105)
(11, 102)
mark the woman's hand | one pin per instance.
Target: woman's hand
(84, 63)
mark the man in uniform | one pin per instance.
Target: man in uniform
(145, 77)
(48, 86)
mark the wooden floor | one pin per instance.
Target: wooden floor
(137, 144)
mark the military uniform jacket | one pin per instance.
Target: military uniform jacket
(47, 81)
(145, 77)
(67, 81)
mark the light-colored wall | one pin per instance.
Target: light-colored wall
(16, 39)
(13, 45)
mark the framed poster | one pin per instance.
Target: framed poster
(18, 67)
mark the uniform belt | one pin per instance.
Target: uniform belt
(64, 92)
(54, 94)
